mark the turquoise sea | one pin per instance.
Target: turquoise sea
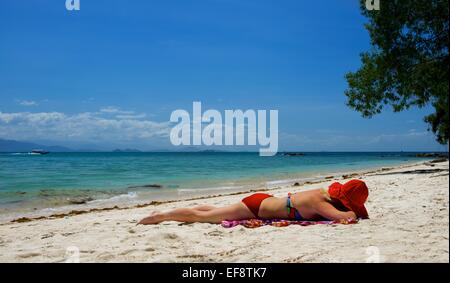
(36, 182)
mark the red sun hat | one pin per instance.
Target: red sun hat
(352, 194)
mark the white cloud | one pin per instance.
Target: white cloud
(131, 116)
(34, 118)
(111, 125)
(115, 110)
(27, 103)
(82, 127)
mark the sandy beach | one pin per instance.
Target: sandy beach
(409, 222)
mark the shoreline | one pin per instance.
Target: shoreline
(409, 222)
(41, 198)
(71, 210)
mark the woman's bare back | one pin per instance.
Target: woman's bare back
(304, 202)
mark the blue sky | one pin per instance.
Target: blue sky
(110, 74)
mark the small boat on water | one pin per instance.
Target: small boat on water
(39, 152)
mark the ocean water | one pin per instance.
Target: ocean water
(36, 182)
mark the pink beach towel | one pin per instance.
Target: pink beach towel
(255, 223)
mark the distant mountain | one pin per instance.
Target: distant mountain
(196, 149)
(214, 151)
(18, 146)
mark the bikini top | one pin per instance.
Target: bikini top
(292, 211)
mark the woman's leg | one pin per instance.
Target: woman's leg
(236, 211)
(204, 207)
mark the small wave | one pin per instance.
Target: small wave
(49, 210)
(129, 195)
(222, 188)
(280, 182)
(288, 181)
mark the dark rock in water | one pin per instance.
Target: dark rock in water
(296, 184)
(153, 186)
(439, 160)
(157, 186)
(432, 154)
(294, 154)
(82, 200)
(329, 177)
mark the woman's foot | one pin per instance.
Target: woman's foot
(154, 218)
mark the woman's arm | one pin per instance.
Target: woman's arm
(328, 211)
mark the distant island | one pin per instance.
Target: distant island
(293, 153)
(127, 150)
(19, 146)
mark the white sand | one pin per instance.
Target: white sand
(409, 223)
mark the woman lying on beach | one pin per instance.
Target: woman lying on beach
(338, 202)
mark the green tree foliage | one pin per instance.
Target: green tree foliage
(408, 62)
